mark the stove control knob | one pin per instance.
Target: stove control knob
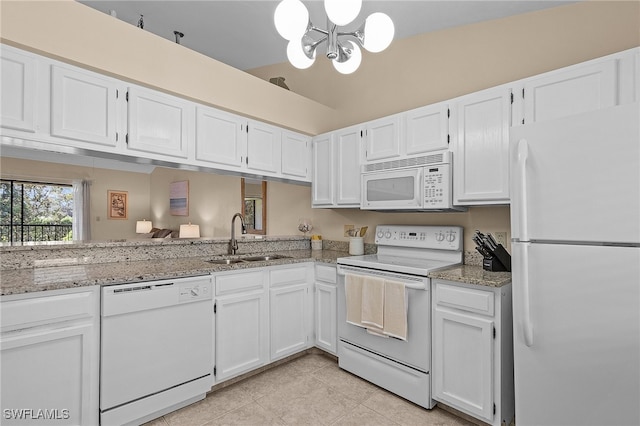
(387, 234)
(380, 234)
(451, 236)
(440, 236)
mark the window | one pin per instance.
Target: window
(35, 211)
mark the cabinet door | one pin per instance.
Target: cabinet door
(83, 106)
(220, 137)
(481, 159)
(289, 324)
(241, 333)
(49, 368)
(383, 138)
(582, 88)
(18, 87)
(263, 147)
(463, 362)
(326, 317)
(347, 159)
(157, 123)
(427, 129)
(296, 156)
(322, 183)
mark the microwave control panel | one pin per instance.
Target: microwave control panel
(437, 186)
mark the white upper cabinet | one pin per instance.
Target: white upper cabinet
(570, 91)
(220, 137)
(382, 138)
(322, 180)
(347, 160)
(427, 129)
(481, 124)
(157, 123)
(83, 106)
(336, 168)
(18, 87)
(263, 147)
(296, 156)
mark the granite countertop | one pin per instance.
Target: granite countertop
(29, 280)
(59, 274)
(471, 274)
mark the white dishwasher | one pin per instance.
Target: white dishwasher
(156, 348)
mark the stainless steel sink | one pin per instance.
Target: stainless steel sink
(265, 258)
(224, 261)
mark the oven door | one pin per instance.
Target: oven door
(416, 350)
(393, 190)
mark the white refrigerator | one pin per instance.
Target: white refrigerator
(575, 222)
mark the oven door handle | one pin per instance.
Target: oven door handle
(419, 283)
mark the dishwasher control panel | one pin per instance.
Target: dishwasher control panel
(196, 290)
(123, 298)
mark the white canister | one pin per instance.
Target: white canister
(356, 245)
(316, 244)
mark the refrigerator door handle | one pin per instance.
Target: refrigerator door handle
(522, 156)
(527, 327)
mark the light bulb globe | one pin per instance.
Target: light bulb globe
(378, 32)
(291, 19)
(353, 63)
(342, 12)
(297, 57)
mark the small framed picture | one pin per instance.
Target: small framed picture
(179, 198)
(117, 204)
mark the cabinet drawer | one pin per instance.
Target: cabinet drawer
(239, 282)
(288, 276)
(36, 311)
(326, 274)
(466, 299)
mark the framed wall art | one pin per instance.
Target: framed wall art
(179, 198)
(117, 204)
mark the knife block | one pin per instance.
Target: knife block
(500, 261)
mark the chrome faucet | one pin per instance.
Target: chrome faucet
(233, 244)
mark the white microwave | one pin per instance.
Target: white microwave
(413, 184)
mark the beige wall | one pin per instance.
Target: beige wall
(72, 32)
(437, 66)
(412, 72)
(102, 180)
(213, 199)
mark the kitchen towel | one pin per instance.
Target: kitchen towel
(373, 302)
(353, 293)
(395, 310)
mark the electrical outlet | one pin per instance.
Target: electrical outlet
(348, 228)
(501, 238)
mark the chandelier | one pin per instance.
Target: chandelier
(292, 21)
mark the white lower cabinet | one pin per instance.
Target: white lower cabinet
(49, 358)
(291, 309)
(326, 314)
(261, 315)
(473, 350)
(241, 324)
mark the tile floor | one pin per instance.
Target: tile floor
(310, 390)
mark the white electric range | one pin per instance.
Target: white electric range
(405, 254)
